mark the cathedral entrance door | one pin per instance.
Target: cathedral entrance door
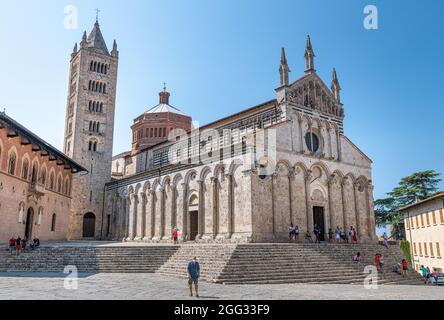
(29, 223)
(318, 218)
(194, 225)
(89, 225)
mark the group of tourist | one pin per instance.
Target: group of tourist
(293, 232)
(340, 235)
(19, 245)
(427, 275)
(401, 268)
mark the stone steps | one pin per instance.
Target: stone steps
(221, 263)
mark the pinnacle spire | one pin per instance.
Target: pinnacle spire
(335, 86)
(309, 57)
(283, 57)
(284, 70)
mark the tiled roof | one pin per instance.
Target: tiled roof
(18, 129)
(163, 108)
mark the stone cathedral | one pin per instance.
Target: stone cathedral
(243, 178)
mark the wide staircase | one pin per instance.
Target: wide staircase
(310, 263)
(145, 259)
(221, 263)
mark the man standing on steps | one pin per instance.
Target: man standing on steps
(193, 276)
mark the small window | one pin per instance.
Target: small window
(53, 222)
(438, 251)
(11, 163)
(25, 169)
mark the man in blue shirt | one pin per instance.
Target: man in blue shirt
(193, 275)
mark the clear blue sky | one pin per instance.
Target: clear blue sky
(219, 57)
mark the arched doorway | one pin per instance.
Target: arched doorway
(89, 225)
(29, 223)
(193, 208)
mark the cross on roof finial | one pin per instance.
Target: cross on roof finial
(164, 87)
(97, 15)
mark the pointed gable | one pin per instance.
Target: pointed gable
(95, 39)
(311, 92)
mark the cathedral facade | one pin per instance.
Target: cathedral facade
(243, 178)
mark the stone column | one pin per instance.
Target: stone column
(185, 228)
(338, 137)
(230, 205)
(358, 218)
(173, 206)
(291, 179)
(330, 146)
(214, 206)
(331, 212)
(301, 136)
(162, 213)
(370, 212)
(148, 218)
(115, 215)
(141, 218)
(158, 214)
(153, 213)
(273, 207)
(132, 217)
(201, 213)
(344, 207)
(309, 212)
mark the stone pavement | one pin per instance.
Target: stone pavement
(34, 286)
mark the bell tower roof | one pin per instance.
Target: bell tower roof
(95, 39)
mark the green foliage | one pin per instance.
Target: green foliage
(419, 185)
(405, 247)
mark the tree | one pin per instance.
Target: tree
(418, 186)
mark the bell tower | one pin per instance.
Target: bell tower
(89, 130)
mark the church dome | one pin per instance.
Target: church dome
(154, 126)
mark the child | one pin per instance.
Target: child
(404, 267)
(377, 261)
(381, 263)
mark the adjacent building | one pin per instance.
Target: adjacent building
(35, 185)
(424, 229)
